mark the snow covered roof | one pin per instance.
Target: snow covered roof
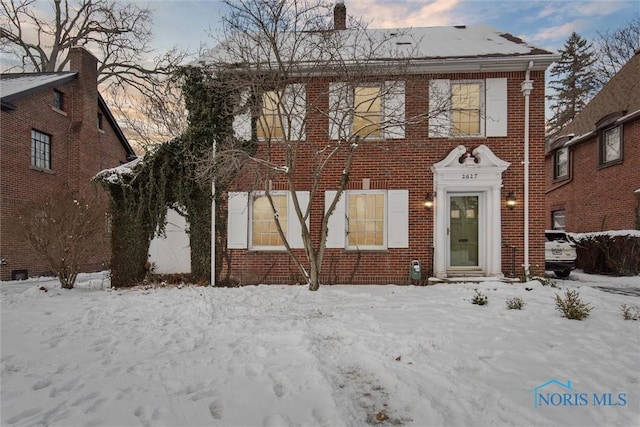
(14, 86)
(114, 175)
(429, 45)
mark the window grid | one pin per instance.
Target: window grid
(264, 230)
(367, 110)
(465, 108)
(270, 121)
(611, 145)
(40, 149)
(366, 220)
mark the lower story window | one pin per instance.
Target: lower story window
(264, 232)
(40, 149)
(558, 218)
(366, 220)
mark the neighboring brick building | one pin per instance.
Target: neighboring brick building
(56, 134)
(381, 223)
(593, 165)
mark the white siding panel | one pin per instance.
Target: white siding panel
(238, 221)
(294, 232)
(496, 112)
(439, 108)
(337, 224)
(398, 221)
(394, 106)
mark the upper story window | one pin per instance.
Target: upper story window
(282, 114)
(468, 108)
(58, 99)
(465, 108)
(264, 232)
(271, 112)
(610, 144)
(367, 110)
(40, 149)
(558, 218)
(561, 163)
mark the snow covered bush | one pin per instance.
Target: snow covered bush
(611, 252)
(479, 298)
(571, 306)
(515, 303)
(630, 313)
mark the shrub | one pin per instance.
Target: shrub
(630, 313)
(480, 299)
(515, 303)
(545, 281)
(608, 254)
(571, 306)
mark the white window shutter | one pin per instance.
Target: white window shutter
(398, 219)
(238, 220)
(242, 118)
(394, 105)
(295, 105)
(336, 235)
(340, 106)
(439, 108)
(294, 231)
(496, 111)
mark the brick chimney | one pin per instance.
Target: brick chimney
(340, 16)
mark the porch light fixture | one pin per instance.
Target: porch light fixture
(428, 201)
(511, 200)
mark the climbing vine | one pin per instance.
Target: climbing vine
(171, 177)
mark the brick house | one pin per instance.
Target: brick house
(454, 192)
(57, 133)
(593, 165)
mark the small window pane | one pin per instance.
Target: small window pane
(558, 220)
(366, 220)
(562, 163)
(270, 121)
(58, 99)
(465, 108)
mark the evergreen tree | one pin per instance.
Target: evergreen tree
(573, 80)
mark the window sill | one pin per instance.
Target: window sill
(100, 130)
(368, 250)
(259, 250)
(43, 170)
(611, 163)
(560, 179)
(59, 111)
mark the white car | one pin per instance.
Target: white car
(559, 253)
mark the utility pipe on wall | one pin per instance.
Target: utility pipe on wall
(526, 87)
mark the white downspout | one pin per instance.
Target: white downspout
(526, 87)
(213, 223)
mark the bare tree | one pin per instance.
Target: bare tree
(65, 229)
(289, 60)
(614, 48)
(118, 33)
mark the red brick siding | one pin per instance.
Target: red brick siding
(78, 151)
(596, 198)
(405, 164)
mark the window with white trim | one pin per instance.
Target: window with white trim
(251, 223)
(371, 110)
(264, 232)
(611, 145)
(366, 216)
(271, 112)
(40, 149)
(368, 219)
(466, 100)
(561, 163)
(282, 115)
(468, 108)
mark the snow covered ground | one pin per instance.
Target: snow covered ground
(342, 356)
